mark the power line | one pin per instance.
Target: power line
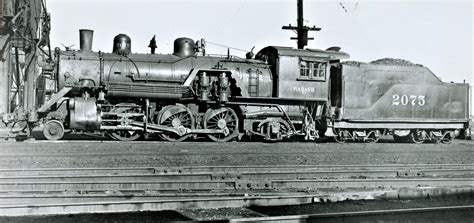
(216, 44)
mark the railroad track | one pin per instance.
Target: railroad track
(402, 215)
(79, 190)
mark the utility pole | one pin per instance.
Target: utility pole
(301, 29)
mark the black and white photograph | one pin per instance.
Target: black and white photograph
(236, 111)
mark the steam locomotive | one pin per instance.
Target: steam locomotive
(280, 93)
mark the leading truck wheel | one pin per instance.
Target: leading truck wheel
(222, 119)
(53, 130)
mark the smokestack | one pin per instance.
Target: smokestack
(85, 38)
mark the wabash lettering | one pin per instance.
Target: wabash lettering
(304, 90)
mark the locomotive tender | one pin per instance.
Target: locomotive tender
(281, 93)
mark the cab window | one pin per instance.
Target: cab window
(305, 69)
(312, 70)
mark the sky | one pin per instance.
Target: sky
(437, 34)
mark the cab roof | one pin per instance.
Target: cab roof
(310, 53)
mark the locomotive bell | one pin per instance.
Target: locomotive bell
(122, 45)
(184, 47)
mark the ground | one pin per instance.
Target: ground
(106, 153)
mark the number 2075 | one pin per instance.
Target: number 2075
(408, 99)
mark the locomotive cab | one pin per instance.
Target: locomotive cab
(300, 74)
(301, 77)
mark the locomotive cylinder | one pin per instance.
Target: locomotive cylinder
(86, 38)
(83, 114)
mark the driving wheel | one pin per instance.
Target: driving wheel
(222, 119)
(176, 116)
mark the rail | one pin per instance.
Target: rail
(368, 216)
(100, 190)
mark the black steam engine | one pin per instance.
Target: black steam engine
(188, 93)
(278, 94)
